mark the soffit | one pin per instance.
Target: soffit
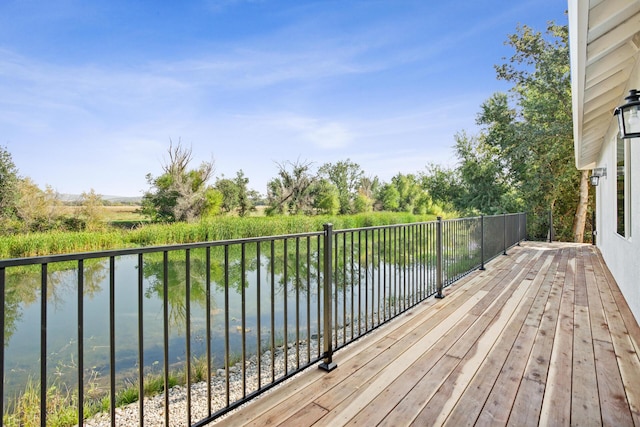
(604, 45)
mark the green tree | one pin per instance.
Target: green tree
(246, 196)
(325, 197)
(179, 194)
(442, 184)
(8, 184)
(346, 176)
(409, 191)
(482, 178)
(229, 191)
(290, 192)
(390, 197)
(534, 137)
(40, 210)
(92, 210)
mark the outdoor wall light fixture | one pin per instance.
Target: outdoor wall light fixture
(596, 174)
(629, 116)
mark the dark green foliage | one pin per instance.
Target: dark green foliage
(8, 184)
(523, 157)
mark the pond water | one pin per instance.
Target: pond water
(365, 288)
(23, 313)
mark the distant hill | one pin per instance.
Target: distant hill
(111, 199)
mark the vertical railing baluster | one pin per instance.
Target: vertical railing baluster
(208, 324)
(273, 309)
(258, 315)
(187, 273)
(439, 258)
(385, 301)
(344, 288)
(297, 285)
(328, 364)
(366, 281)
(3, 288)
(504, 234)
(165, 332)
(243, 317)
(43, 344)
(396, 272)
(318, 285)
(285, 276)
(227, 364)
(353, 310)
(378, 267)
(80, 333)
(423, 264)
(405, 290)
(112, 336)
(141, 340)
(308, 299)
(482, 242)
(336, 279)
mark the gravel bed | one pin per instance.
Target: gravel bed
(154, 410)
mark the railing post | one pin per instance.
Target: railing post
(482, 242)
(328, 364)
(594, 230)
(551, 230)
(439, 282)
(504, 234)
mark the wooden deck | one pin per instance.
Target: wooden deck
(542, 337)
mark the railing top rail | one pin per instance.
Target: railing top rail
(381, 227)
(462, 219)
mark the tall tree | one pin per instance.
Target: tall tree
(325, 197)
(230, 197)
(290, 192)
(346, 176)
(180, 193)
(92, 210)
(246, 197)
(534, 137)
(442, 184)
(8, 184)
(482, 178)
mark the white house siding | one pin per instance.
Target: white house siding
(622, 255)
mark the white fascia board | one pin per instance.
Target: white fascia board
(578, 11)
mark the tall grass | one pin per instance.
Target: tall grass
(219, 228)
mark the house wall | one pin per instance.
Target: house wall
(622, 255)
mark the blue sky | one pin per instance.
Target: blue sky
(92, 91)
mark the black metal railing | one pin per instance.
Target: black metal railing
(235, 317)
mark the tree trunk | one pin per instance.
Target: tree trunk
(580, 219)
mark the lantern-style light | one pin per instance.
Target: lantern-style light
(596, 174)
(629, 116)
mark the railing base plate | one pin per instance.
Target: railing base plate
(328, 367)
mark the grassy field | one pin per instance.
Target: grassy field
(123, 213)
(111, 213)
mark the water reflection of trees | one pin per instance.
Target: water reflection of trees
(23, 287)
(293, 266)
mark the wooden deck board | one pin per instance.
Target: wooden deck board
(542, 337)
